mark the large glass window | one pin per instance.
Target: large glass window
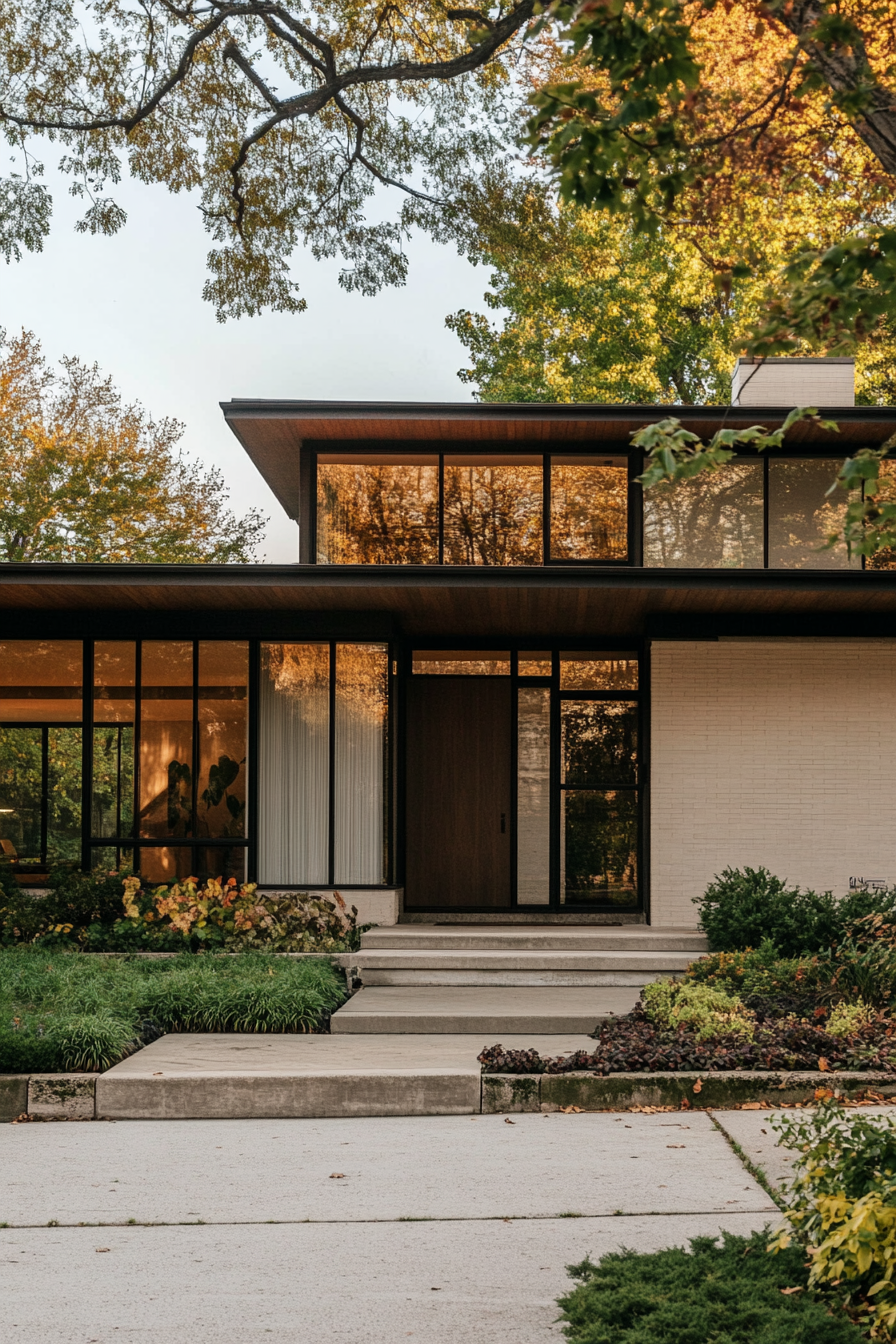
(114, 716)
(471, 508)
(599, 801)
(323, 751)
(40, 753)
(801, 515)
(712, 522)
(492, 510)
(589, 508)
(170, 725)
(378, 509)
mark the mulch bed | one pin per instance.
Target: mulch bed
(634, 1044)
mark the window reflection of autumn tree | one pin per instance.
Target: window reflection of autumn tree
(716, 520)
(493, 512)
(378, 513)
(589, 511)
(302, 672)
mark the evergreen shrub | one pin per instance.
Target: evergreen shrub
(712, 1293)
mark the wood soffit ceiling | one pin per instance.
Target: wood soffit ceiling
(272, 432)
(427, 602)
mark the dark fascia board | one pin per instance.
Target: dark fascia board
(47, 577)
(335, 411)
(274, 447)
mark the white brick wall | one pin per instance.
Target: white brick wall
(775, 753)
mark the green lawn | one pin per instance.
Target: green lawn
(69, 1011)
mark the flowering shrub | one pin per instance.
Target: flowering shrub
(236, 917)
(842, 1209)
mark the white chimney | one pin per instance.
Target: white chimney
(794, 382)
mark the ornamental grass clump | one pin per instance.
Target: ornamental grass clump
(64, 1011)
(842, 1209)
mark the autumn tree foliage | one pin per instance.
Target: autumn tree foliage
(684, 112)
(84, 477)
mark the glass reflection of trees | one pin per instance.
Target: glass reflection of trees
(589, 509)
(493, 511)
(599, 801)
(600, 847)
(378, 511)
(801, 515)
(382, 508)
(715, 521)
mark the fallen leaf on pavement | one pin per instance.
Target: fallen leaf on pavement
(508, 1121)
(337, 1175)
(698, 1086)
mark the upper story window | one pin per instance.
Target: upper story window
(506, 509)
(471, 509)
(772, 513)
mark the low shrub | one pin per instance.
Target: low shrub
(637, 1044)
(741, 908)
(761, 970)
(842, 1208)
(64, 1011)
(731, 1292)
(845, 1019)
(708, 1012)
(113, 912)
(72, 903)
(218, 914)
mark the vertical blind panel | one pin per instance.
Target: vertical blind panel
(293, 780)
(359, 767)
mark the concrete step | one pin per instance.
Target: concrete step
(631, 979)
(229, 1076)
(487, 1010)
(402, 966)
(540, 938)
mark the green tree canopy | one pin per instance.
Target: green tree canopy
(596, 311)
(84, 477)
(284, 115)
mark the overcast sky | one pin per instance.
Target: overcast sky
(133, 303)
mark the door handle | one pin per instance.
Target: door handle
(503, 822)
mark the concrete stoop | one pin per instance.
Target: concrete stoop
(506, 978)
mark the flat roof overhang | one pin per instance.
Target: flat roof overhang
(429, 603)
(272, 432)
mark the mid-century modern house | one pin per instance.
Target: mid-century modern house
(499, 683)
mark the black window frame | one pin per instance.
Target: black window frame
(462, 449)
(633, 649)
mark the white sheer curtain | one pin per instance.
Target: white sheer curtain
(534, 797)
(293, 761)
(359, 765)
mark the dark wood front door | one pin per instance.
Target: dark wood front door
(458, 793)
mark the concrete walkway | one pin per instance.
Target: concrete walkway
(437, 1229)
(241, 1076)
